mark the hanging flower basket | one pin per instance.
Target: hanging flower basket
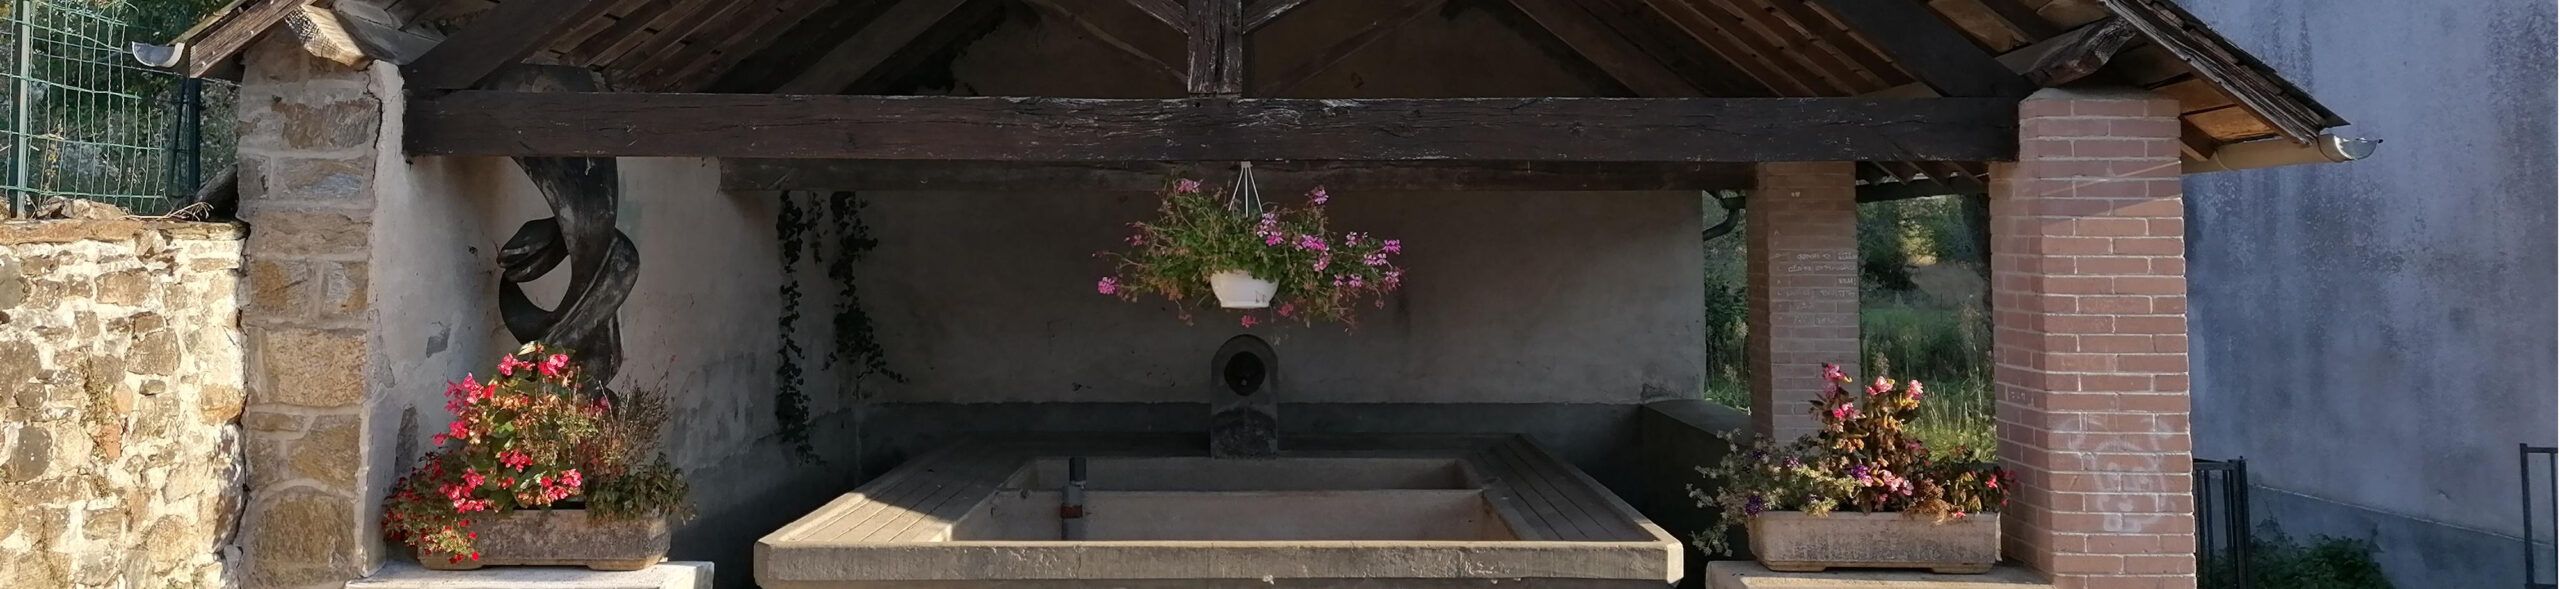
(1227, 247)
(1238, 289)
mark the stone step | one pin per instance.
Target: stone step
(671, 575)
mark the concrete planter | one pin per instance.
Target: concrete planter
(561, 537)
(1792, 541)
(1238, 290)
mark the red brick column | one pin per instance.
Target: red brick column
(1803, 229)
(2090, 342)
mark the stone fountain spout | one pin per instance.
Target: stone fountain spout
(1244, 407)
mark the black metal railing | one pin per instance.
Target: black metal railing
(2222, 523)
(2524, 477)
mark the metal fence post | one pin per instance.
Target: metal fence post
(19, 198)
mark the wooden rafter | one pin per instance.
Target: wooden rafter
(2087, 52)
(1374, 19)
(1775, 80)
(1169, 12)
(1830, 34)
(697, 73)
(1583, 32)
(1262, 12)
(1928, 48)
(875, 43)
(830, 175)
(1124, 27)
(1216, 67)
(503, 36)
(1740, 42)
(212, 43)
(1212, 129)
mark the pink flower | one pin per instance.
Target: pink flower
(1393, 246)
(508, 365)
(1912, 389)
(1374, 259)
(1318, 196)
(1323, 261)
(570, 478)
(458, 430)
(1355, 281)
(1844, 411)
(1272, 239)
(1288, 309)
(1108, 285)
(1310, 242)
(1138, 239)
(555, 365)
(1248, 321)
(1186, 186)
(1831, 372)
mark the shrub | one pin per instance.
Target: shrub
(2277, 561)
(528, 438)
(1861, 460)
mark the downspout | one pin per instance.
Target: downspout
(2325, 149)
(1732, 216)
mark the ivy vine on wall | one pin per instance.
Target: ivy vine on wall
(856, 344)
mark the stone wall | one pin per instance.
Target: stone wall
(120, 361)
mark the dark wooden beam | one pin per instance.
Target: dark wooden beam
(1604, 48)
(1123, 26)
(212, 43)
(1169, 12)
(1928, 47)
(504, 35)
(2087, 52)
(1217, 47)
(1213, 129)
(1376, 18)
(1262, 12)
(829, 175)
(875, 43)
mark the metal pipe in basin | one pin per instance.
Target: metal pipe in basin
(1071, 505)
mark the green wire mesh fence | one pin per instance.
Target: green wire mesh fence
(85, 120)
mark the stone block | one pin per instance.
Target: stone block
(155, 353)
(30, 456)
(335, 122)
(284, 232)
(125, 287)
(300, 538)
(1743, 574)
(320, 179)
(219, 404)
(1796, 541)
(307, 368)
(329, 452)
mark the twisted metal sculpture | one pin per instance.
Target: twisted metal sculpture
(603, 266)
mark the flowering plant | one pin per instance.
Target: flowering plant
(529, 438)
(1321, 277)
(1861, 460)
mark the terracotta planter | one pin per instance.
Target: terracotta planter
(1792, 541)
(1238, 290)
(561, 537)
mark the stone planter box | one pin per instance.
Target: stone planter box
(561, 537)
(1792, 541)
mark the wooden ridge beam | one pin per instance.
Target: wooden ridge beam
(1928, 47)
(502, 36)
(748, 174)
(866, 49)
(1213, 129)
(1262, 12)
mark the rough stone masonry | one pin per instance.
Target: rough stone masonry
(120, 362)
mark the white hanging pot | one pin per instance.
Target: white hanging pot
(1238, 290)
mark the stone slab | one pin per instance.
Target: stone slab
(1743, 574)
(671, 575)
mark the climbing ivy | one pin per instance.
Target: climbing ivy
(791, 404)
(856, 344)
(854, 333)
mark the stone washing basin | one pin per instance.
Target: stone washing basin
(1369, 511)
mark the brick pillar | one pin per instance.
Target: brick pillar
(308, 131)
(2090, 342)
(1803, 229)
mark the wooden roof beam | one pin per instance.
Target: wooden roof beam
(1929, 48)
(875, 43)
(1213, 129)
(1377, 18)
(503, 36)
(1583, 32)
(1125, 27)
(747, 174)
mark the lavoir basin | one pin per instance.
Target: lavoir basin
(1365, 511)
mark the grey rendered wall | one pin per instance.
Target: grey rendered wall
(700, 327)
(2376, 337)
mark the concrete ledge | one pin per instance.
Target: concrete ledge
(1743, 574)
(671, 575)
